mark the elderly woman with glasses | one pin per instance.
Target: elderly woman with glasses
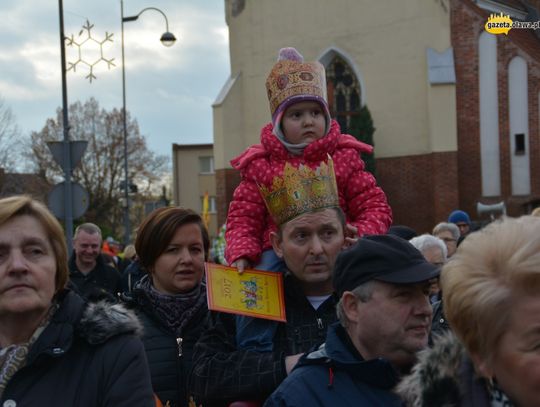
(449, 234)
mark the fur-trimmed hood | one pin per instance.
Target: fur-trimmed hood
(443, 377)
(103, 320)
(76, 362)
(75, 320)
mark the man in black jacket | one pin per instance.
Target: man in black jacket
(309, 245)
(88, 273)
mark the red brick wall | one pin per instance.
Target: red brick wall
(226, 182)
(464, 36)
(467, 22)
(421, 189)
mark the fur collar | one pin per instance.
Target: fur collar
(103, 320)
(435, 379)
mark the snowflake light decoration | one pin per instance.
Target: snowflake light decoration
(89, 41)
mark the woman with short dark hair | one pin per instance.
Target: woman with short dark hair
(172, 245)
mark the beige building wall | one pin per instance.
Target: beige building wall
(442, 118)
(229, 128)
(190, 184)
(384, 40)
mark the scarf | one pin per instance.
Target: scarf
(13, 358)
(497, 397)
(294, 149)
(174, 311)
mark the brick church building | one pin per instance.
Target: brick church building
(455, 108)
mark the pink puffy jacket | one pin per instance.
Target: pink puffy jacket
(248, 222)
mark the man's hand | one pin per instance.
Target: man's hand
(241, 264)
(351, 235)
(291, 361)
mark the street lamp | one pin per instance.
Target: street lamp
(167, 39)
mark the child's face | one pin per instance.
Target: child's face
(303, 122)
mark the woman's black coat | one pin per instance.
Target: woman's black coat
(87, 356)
(170, 357)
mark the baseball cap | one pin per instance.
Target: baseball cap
(384, 258)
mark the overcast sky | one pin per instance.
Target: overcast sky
(169, 90)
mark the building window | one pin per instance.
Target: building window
(520, 144)
(344, 94)
(518, 121)
(211, 204)
(206, 165)
(490, 158)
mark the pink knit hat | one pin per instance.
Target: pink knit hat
(292, 80)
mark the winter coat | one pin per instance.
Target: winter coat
(169, 357)
(131, 276)
(248, 222)
(102, 283)
(439, 323)
(223, 374)
(87, 356)
(444, 376)
(336, 375)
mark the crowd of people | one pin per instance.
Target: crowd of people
(375, 314)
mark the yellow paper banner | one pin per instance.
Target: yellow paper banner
(253, 293)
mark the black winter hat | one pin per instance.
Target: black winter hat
(402, 231)
(385, 258)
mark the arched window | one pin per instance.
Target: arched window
(518, 112)
(344, 93)
(488, 83)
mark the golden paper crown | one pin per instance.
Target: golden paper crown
(301, 190)
(290, 78)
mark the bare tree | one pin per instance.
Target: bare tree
(9, 133)
(101, 171)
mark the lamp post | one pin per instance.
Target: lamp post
(68, 194)
(167, 39)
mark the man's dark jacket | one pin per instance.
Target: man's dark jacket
(87, 356)
(170, 358)
(336, 375)
(222, 373)
(131, 276)
(439, 323)
(102, 283)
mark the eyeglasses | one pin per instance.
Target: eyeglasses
(448, 239)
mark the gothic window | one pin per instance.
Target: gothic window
(344, 94)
